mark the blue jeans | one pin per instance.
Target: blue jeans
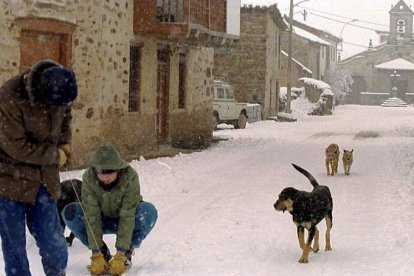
(145, 217)
(44, 225)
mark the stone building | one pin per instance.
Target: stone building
(313, 48)
(390, 64)
(253, 66)
(144, 68)
(329, 48)
(298, 71)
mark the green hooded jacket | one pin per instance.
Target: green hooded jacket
(119, 202)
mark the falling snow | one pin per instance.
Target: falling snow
(215, 207)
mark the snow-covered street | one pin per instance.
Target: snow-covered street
(216, 214)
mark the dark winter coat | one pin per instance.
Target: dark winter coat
(29, 137)
(119, 202)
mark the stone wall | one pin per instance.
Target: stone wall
(379, 81)
(304, 51)
(252, 67)
(371, 98)
(192, 125)
(101, 59)
(297, 73)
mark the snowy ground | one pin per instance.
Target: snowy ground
(215, 207)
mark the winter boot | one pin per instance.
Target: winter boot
(105, 252)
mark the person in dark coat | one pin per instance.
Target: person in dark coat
(35, 141)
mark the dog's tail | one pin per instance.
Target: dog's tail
(307, 174)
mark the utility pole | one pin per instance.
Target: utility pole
(289, 73)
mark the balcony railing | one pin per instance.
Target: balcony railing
(192, 20)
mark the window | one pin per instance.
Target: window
(400, 28)
(169, 11)
(135, 79)
(44, 38)
(220, 93)
(182, 71)
(229, 93)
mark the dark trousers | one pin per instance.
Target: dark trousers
(44, 225)
(145, 217)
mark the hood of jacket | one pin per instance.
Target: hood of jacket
(107, 157)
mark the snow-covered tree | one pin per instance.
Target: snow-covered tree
(340, 81)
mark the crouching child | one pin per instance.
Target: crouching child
(112, 204)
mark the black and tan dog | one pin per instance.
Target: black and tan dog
(71, 192)
(307, 210)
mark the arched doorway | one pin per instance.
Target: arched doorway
(359, 85)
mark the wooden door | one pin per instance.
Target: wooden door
(402, 86)
(163, 75)
(359, 85)
(36, 46)
(44, 38)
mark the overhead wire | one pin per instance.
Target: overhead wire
(345, 17)
(350, 24)
(323, 15)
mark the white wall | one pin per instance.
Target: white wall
(233, 17)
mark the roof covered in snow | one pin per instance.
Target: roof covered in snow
(363, 53)
(396, 64)
(298, 63)
(309, 36)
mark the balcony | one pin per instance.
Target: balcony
(196, 22)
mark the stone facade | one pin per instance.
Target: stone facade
(372, 85)
(298, 71)
(330, 54)
(253, 66)
(102, 40)
(310, 53)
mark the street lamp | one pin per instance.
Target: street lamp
(289, 80)
(340, 36)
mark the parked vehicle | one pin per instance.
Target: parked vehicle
(225, 108)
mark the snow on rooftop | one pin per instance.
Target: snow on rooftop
(361, 54)
(308, 35)
(396, 64)
(298, 63)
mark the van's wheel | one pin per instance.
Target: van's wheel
(241, 123)
(215, 122)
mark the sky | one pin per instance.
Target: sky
(366, 12)
(215, 207)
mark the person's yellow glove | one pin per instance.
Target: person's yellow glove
(117, 264)
(62, 158)
(98, 264)
(67, 148)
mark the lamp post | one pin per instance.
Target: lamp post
(343, 27)
(289, 79)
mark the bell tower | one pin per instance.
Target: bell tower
(401, 24)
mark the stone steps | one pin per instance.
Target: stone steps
(394, 102)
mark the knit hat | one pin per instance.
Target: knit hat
(107, 157)
(51, 83)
